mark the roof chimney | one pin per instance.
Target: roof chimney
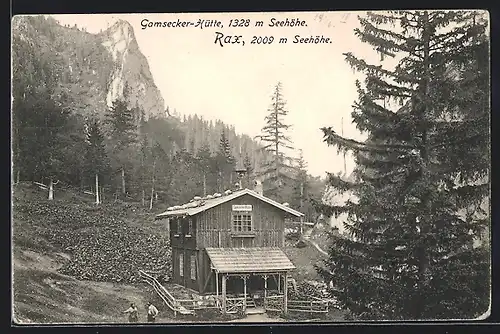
(258, 187)
(240, 172)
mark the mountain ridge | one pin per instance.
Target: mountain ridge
(94, 67)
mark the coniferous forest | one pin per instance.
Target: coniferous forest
(64, 137)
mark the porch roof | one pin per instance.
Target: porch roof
(249, 260)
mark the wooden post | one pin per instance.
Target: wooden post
(285, 294)
(265, 286)
(217, 286)
(244, 292)
(265, 291)
(279, 283)
(224, 293)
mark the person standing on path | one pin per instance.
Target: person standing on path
(152, 312)
(132, 313)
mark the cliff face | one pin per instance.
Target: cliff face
(131, 69)
(88, 71)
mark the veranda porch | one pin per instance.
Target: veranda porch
(250, 277)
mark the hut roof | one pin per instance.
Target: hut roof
(245, 260)
(200, 204)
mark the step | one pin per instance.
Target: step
(255, 310)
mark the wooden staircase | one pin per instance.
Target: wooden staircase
(250, 302)
(252, 308)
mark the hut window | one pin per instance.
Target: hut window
(242, 222)
(190, 227)
(179, 227)
(181, 265)
(193, 267)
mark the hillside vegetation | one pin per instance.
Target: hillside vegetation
(77, 262)
(74, 261)
(103, 243)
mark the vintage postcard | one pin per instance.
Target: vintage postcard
(251, 167)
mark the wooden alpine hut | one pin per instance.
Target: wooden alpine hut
(230, 246)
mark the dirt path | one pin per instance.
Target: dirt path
(258, 318)
(307, 237)
(317, 247)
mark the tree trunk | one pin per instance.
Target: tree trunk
(143, 197)
(97, 199)
(301, 196)
(221, 181)
(18, 176)
(123, 181)
(152, 186)
(425, 221)
(276, 143)
(51, 190)
(204, 184)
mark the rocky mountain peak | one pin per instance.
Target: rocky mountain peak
(132, 70)
(119, 38)
(93, 68)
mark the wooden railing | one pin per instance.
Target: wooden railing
(233, 305)
(274, 303)
(173, 304)
(309, 306)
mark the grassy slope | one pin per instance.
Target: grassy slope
(42, 295)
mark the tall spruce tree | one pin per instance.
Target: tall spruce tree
(422, 176)
(123, 133)
(248, 165)
(205, 165)
(96, 159)
(225, 162)
(275, 170)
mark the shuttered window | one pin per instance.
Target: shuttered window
(181, 265)
(193, 267)
(179, 227)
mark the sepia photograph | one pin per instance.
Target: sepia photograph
(260, 167)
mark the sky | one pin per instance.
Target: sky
(234, 83)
